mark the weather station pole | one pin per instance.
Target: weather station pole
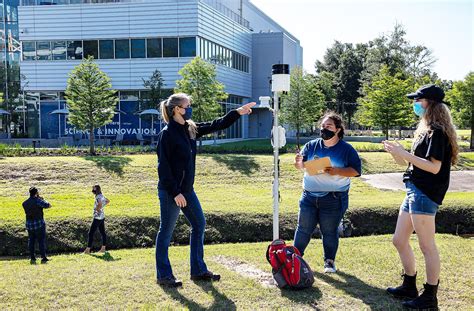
(280, 84)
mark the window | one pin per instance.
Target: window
(129, 95)
(106, 49)
(122, 48)
(74, 50)
(59, 50)
(48, 96)
(170, 47)
(29, 50)
(187, 47)
(91, 48)
(153, 47)
(43, 50)
(138, 48)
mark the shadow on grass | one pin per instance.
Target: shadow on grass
(375, 298)
(106, 257)
(112, 164)
(221, 302)
(307, 296)
(243, 164)
(183, 300)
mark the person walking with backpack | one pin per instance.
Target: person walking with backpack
(433, 152)
(35, 224)
(98, 221)
(176, 152)
(325, 196)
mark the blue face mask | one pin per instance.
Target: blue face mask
(188, 114)
(418, 109)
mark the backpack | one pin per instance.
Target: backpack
(288, 267)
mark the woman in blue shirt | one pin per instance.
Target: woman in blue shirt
(325, 196)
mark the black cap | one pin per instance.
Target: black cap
(280, 69)
(429, 91)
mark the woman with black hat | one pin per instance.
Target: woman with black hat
(427, 180)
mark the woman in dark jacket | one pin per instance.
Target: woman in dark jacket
(176, 170)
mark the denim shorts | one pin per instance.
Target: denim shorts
(416, 202)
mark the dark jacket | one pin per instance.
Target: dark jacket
(177, 152)
(34, 208)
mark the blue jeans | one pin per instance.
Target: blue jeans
(169, 213)
(327, 211)
(416, 202)
(40, 235)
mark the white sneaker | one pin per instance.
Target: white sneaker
(329, 266)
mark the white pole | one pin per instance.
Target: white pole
(275, 168)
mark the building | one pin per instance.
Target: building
(130, 39)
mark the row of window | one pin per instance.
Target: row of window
(220, 55)
(109, 49)
(55, 2)
(131, 95)
(134, 48)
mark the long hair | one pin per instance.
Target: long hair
(337, 119)
(437, 115)
(167, 111)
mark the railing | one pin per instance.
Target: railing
(227, 12)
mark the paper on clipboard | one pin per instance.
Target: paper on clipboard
(317, 166)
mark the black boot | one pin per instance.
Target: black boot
(426, 301)
(407, 289)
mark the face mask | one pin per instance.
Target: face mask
(418, 109)
(327, 134)
(93, 191)
(188, 113)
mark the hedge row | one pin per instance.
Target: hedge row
(69, 235)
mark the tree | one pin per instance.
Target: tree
(303, 104)
(343, 63)
(156, 93)
(325, 82)
(461, 98)
(199, 81)
(12, 99)
(399, 55)
(90, 98)
(385, 103)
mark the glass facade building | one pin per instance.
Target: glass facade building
(129, 39)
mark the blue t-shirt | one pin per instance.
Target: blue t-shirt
(341, 154)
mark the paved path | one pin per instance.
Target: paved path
(460, 181)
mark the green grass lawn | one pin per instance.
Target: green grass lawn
(224, 183)
(125, 279)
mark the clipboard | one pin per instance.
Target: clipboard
(317, 166)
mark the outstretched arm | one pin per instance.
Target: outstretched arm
(205, 128)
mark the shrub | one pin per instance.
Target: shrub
(70, 234)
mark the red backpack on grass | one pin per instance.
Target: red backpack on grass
(288, 267)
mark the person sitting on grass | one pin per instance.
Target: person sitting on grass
(99, 218)
(35, 224)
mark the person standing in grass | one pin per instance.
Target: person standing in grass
(325, 196)
(176, 152)
(427, 177)
(35, 224)
(99, 219)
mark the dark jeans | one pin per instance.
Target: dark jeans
(97, 223)
(169, 213)
(40, 236)
(326, 211)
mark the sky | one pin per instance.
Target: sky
(444, 26)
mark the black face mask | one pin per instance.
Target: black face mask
(327, 134)
(94, 192)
